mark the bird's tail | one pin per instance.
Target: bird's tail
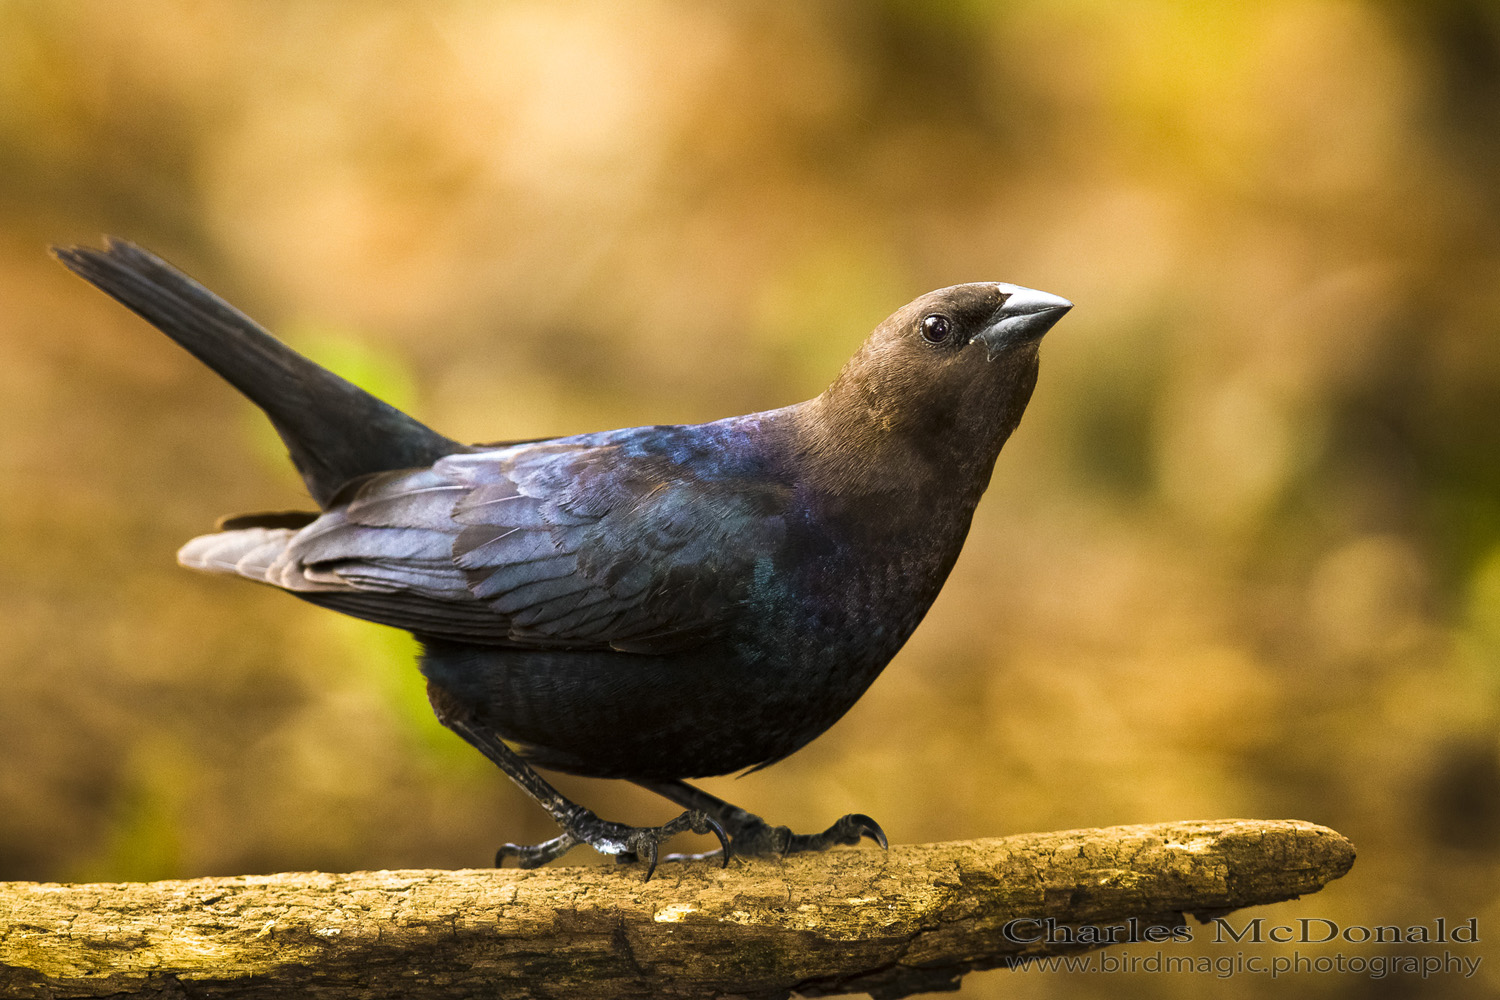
(334, 430)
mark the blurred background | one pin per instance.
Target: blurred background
(1241, 559)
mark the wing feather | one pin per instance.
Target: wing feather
(632, 541)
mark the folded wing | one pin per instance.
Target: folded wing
(555, 545)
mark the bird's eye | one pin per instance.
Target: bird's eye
(935, 328)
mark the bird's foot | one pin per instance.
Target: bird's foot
(754, 837)
(626, 843)
(762, 838)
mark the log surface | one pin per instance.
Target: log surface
(891, 924)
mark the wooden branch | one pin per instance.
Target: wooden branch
(914, 919)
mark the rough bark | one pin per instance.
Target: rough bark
(914, 919)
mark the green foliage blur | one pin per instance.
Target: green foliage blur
(1241, 559)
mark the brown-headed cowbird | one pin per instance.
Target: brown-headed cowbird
(655, 603)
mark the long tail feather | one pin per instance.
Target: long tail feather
(334, 430)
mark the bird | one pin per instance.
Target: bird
(652, 604)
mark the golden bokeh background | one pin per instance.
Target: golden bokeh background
(1241, 559)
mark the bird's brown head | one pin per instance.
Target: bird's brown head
(952, 370)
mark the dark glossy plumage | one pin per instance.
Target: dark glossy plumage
(651, 603)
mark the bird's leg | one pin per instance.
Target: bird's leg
(751, 835)
(580, 825)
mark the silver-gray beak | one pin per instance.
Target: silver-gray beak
(1025, 315)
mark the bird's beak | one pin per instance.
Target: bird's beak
(1024, 316)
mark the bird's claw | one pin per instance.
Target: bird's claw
(626, 843)
(853, 828)
(642, 842)
(849, 829)
(536, 855)
(757, 838)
